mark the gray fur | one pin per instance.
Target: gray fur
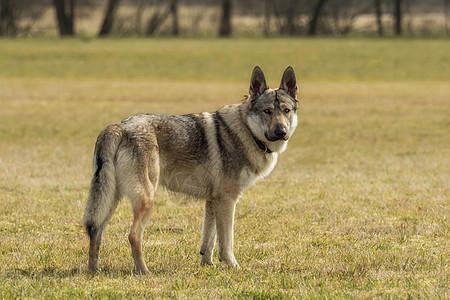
(214, 156)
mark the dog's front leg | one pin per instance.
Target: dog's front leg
(224, 209)
(209, 233)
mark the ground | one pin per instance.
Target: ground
(358, 205)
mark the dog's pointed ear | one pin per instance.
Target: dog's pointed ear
(289, 82)
(257, 83)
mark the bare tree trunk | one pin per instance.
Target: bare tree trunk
(65, 16)
(378, 13)
(61, 16)
(139, 12)
(446, 14)
(398, 17)
(8, 26)
(174, 12)
(312, 28)
(71, 16)
(290, 17)
(108, 20)
(267, 13)
(225, 23)
(156, 20)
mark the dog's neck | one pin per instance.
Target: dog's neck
(263, 147)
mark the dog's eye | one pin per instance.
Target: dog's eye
(286, 110)
(267, 111)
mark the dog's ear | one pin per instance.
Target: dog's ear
(289, 82)
(257, 83)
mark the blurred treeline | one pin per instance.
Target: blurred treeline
(224, 17)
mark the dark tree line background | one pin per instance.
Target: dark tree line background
(288, 17)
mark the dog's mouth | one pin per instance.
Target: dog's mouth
(274, 138)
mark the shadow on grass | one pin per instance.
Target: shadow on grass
(67, 273)
(107, 271)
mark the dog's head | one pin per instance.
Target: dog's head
(273, 112)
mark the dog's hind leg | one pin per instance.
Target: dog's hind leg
(138, 177)
(96, 234)
(209, 234)
(142, 198)
(103, 194)
(102, 202)
(142, 210)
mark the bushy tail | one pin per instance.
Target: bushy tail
(102, 194)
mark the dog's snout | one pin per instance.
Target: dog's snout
(280, 131)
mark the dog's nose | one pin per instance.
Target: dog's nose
(280, 132)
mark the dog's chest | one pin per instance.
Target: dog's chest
(265, 166)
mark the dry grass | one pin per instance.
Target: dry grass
(358, 205)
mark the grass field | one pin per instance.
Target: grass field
(358, 205)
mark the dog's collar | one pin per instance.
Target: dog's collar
(263, 147)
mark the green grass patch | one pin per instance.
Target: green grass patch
(358, 205)
(226, 59)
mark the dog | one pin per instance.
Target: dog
(214, 156)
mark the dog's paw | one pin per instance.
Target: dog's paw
(206, 261)
(231, 262)
(142, 271)
(234, 265)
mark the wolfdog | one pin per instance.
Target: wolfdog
(213, 156)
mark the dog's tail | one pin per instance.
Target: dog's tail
(103, 197)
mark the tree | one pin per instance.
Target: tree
(317, 9)
(108, 20)
(291, 14)
(378, 13)
(160, 16)
(156, 20)
(65, 16)
(225, 23)
(446, 14)
(8, 20)
(398, 17)
(341, 15)
(174, 12)
(138, 19)
(287, 13)
(268, 5)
